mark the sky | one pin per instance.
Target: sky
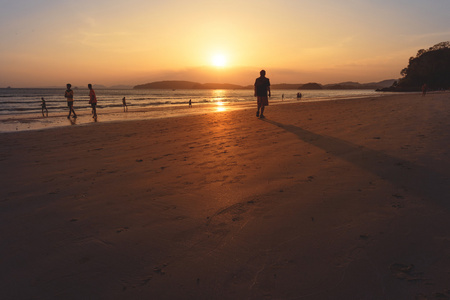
(111, 42)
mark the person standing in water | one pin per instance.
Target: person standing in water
(92, 101)
(69, 95)
(44, 108)
(262, 88)
(124, 103)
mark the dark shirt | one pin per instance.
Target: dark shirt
(261, 84)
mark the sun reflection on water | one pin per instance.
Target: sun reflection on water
(221, 106)
(219, 96)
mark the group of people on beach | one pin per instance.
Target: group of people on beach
(262, 94)
(68, 94)
(92, 101)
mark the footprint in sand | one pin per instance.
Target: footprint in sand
(233, 212)
(398, 196)
(160, 270)
(122, 229)
(137, 282)
(405, 272)
(397, 205)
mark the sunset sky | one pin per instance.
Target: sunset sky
(52, 42)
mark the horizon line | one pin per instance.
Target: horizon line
(99, 85)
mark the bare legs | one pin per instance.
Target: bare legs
(70, 112)
(260, 108)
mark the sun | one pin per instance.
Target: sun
(219, 60)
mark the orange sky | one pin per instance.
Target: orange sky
(51, 42)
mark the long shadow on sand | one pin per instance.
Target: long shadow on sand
(424, 181)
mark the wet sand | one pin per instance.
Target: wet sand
(342, 199)
(35, 121)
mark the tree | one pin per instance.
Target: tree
(431, 66)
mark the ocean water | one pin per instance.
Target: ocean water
(20, 109)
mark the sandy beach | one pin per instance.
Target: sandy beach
(341, 199)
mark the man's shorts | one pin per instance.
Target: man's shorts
(262, 101)
(69, 103)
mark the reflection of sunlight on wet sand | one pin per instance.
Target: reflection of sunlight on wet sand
(25, 122)
(221, 106)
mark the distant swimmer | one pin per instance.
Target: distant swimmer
(124, 103)
(69, 95)
(190, 103)
(44, 108)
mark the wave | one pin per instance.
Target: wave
(19, 101)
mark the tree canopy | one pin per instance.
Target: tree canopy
(431, 67)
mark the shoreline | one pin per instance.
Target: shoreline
(32, 122)
(35, 121)
(321, 200)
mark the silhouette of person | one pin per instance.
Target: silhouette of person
(69, 95)
(92, 101)
(282, 97)
(262, 88)
(44, 108)
(124, 103)
(190, 103)
(424, 89)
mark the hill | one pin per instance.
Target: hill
(179, 85)
(311, 86)
(286, 86)
(221, 86)
(167, 85)
(186, 85)
(431, 67)
(350, 85)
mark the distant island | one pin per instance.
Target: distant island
(187, 85)
(190, 85)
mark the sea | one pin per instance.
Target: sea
(20, 108)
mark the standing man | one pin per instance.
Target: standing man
(262, 87)
(92, 101)
(69, 95)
